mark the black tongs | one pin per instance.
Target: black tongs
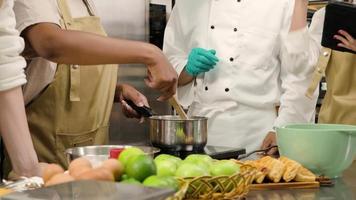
(144, 111)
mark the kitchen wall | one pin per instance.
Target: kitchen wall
(124, 18)
(129, 19)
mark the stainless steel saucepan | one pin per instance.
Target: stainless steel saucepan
(173, 133)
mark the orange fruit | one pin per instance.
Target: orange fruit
(50, 171)
(114, 166)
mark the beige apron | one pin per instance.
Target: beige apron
(74, 110)
(339, 103)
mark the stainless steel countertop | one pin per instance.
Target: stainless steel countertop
(91, 190)
(344, 189)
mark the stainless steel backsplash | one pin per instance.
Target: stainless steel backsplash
(129, 19)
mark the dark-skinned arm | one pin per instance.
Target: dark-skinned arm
(76, 47)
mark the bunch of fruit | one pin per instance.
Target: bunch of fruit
(164, 170)
(142, 169)
(81, 169)
(133, 166)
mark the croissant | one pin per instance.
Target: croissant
(275, 168)
(304, 175)
(261, 170)
(292, 168)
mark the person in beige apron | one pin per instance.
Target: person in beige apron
(74, 108)
(339, 69)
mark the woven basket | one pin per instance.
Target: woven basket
(218, 187)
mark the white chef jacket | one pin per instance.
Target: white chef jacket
(316, 29)
(261, 65)
(40, 72)
(11, 45)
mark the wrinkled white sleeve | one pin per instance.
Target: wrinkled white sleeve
(299, 53)
(11, 45)
(316, 28)
(30, 12)
(176, 52)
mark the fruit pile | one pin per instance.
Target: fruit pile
(164, 170)
(133, 166)
(81, 169)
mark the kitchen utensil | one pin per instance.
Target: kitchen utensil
(174, 102)
(176, 134)
(325, 149)
(144, 111)
(172, 132)
(148, 112)
(98, 154)
(264, 151)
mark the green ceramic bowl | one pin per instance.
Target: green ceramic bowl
(326, 149)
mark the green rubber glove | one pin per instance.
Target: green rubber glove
(200, 60)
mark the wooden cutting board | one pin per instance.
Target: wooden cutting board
(281, 186)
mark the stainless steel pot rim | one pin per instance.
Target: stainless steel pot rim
(177, 118)
(89, 150)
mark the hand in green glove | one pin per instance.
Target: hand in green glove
(200, 60)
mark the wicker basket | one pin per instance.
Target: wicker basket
(219, 187)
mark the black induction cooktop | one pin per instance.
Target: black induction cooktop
(216, 152)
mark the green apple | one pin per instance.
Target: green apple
(191, 170)
(202, 160)
(124, 177)
(161, 182)
(224, 168)
(172, 182)
(164, 157)
(165, 167)
(128, 153)
(131, 181)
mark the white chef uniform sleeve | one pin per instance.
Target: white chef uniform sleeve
(316, 28)
(175, 49)
(299, 54)
(11, 45)
(31, 12)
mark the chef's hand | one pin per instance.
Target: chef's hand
(269, 141)
(130, 93)
(200, 60)
(161, 75)
(347, 41)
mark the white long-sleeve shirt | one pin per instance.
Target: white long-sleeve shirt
(11, 45)
(262, 64)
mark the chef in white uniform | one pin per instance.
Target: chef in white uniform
(238, 60)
